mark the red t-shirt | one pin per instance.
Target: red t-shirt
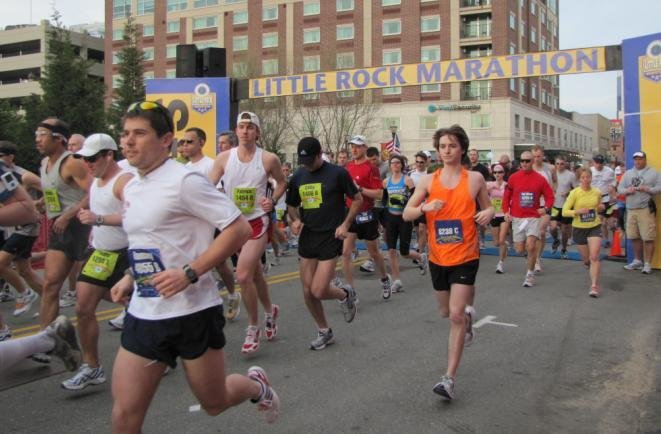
(367, 176)
(522, 193)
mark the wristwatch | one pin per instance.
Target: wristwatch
(99, 220)
(360, 189)
(190, 273)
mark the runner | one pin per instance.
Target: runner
(454, 255)
(171, 254)
(566, 181)
(107, 260)
(603, 177)
(548, 172)
(422, 159)
(499, 227)
(245, 171)
(318, 188)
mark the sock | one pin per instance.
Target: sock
(16, 350)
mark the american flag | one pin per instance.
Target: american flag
(393, 146)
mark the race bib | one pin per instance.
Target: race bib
(100, 265)
(364, 217)
(448, 231)
(588, 217)
(555, 212)
(497, 204)
(526, 199)
(144, 264)
(52, 200)
(244, 199)
(310, 195)
(279, 214)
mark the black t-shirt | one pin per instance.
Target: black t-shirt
(319, 195)
(479, 167)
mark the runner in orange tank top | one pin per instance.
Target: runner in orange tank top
(453, 246)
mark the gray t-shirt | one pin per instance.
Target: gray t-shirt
(635, 178)
(566, 182)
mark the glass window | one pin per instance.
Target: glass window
(533, 91)
(145, 7)
(149, 53)
(311, 35)
(115, 58)
(171, 51)
(428, 122)
(513, 84)
(346, 94)
(542, 17)
(512, 21)
(431, 23)
(229, 2)
(344, 60)
(116, 81)
(205, 22)
(390, 2)
(430, 88)
(522, 87)
(204, 3)
(269, 40)
(177, 5)
(396, 90)
(311, 8)
(117, 34)
(240, 17)
(481, 120)
(149, 75)
(392, 57)
(311, 63)
(533, 35)
(270, 66)
(121, 9)
(344, 5)
(517, 121)
(512, 48)
(430, 54)
(171, 73)
(240, 43)
(239, 69)
(148, 30)
(392, 27)
(344, 31)
(206, 44)
(270, 13)
(533, 8)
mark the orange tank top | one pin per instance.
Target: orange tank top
(452, 230)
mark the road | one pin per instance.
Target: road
(547, 359)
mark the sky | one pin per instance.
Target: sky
(583, 23)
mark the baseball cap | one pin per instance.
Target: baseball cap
(598, 159)
(248, 117)
(618, 170)
(308, 149)
(95, 144)
(639, 154)
(358, 140)
(7, 147)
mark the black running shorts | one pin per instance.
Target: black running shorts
(443, 277)
(319, 245)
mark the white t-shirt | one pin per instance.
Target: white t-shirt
(203, 165)
(175, 211)
(603, 179)
(126, 167)
(416, 175)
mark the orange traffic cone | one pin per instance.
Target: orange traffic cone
(616, 246)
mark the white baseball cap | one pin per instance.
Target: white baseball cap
(358, 140)
(95, 144)
(248, 117)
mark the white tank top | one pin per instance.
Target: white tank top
(245, 183)
(103, 202)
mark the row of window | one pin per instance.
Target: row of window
(534, 129)
(546, 98)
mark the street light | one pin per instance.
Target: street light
(393, 130)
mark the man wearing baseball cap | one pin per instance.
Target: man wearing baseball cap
(639, 184)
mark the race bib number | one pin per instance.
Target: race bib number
(279, 214)
(588, 217)
(52, 200)
(526, 199)
(100, 265)
(364, 217)
(244, 199)
(144, 264)
(448, 231)
(555, 212)
(497, 204)
(310, 195)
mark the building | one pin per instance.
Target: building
(23, 51)
(283, 37)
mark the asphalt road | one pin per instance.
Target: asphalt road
(547, 359)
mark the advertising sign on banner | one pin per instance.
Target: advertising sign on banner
(195, 102)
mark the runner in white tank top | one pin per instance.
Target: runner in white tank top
(548, 172)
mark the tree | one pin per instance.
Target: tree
(70, 93)
(131, 76)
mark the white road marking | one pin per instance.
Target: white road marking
(194, 408)
(489, 319)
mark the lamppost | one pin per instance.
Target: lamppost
(393, 130)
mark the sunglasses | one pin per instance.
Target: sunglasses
(498, 172)
(527, 160)
(188, 141)
(559, 164)
(144, 106)
(419, 162)
(93, 158)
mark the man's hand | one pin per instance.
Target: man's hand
(60, 224)
(87, 217)
(296, 226)
(267, 204)
(434, 205)
(121, 291)
(341, 232)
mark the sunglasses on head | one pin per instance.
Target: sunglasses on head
(141, 107)
(527, 160)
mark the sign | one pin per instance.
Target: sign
(449, 71)
(451, 107)
(195, 102)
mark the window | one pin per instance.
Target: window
(270, 13)
(344, 32)
(171, 51)
(171, 73)
(522, 28)
(116, 81)
(522, 87)
(205, 22)
(533, 8)
(517, 121)
(533, 91)
(544, 96)
(430, 54)
(115, 58)
(512, 48)
(311, 63)
(149, 53)
(343, 5)
(542, 43)
(311, 8)
(390, 2)
(148, 76)
(145, 7)
(428, 122)
(177, 5)
(392, 90)
(431, 23)
(513, 84)
(148, 30)
(121, 9)
(240, 43)
(533, 35)
(239, 70)
(390, 122)
(270, 66)
(311, 35)
(392, 27)
(430, 88)
(481, 120)
(346, 94)
(173, 26)
(117, 34)
(392, 57)
(269, 40)
(542, 17)
(344, 61)
(206, 44)
(512, 21)
(311, 96)
(240, 17)
(204, 3)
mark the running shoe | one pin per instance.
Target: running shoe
(423, 264)
(367, 266)
(251, 344)
(220, 285)
(323, 339)
(6, 292)
(233, 306)
(636, 264)
(500, 268)
(40, 358)
(647, 268)
(24, 302)
(270, 325)
(118, 322)
(469, 338)
(555, 245)
(348, 305)
(396, 286)
(66, 343)
(593, 292)
(268, 400)
(538, 267)
(5, 333)
(275, 261)
(386, 286)
(445, 387)
(563, 254)
(68, 299)
(529, 281)
(86, 376)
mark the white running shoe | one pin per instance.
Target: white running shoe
(24, 302)
(367, 266)
(529, 281)
(396, 286)
(86, 376)
(538, 267)
(647, 268)
(636, 264)
(268, 401)
(118, 321)
(68, 298)
(499, 268)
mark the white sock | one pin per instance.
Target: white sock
(13, 351)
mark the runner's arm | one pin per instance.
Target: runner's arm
(413, 209)
(218, 169)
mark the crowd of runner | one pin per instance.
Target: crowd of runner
(157, 226)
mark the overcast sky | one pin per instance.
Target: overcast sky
(583, 23)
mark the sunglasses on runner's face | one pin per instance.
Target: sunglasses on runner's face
(498, 172)
(93, 158)
(527, 160)
(419, 162)
(188, 141)
(140, 107)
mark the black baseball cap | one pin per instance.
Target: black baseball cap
(598, 159)
(7, 147)
(308, 149)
